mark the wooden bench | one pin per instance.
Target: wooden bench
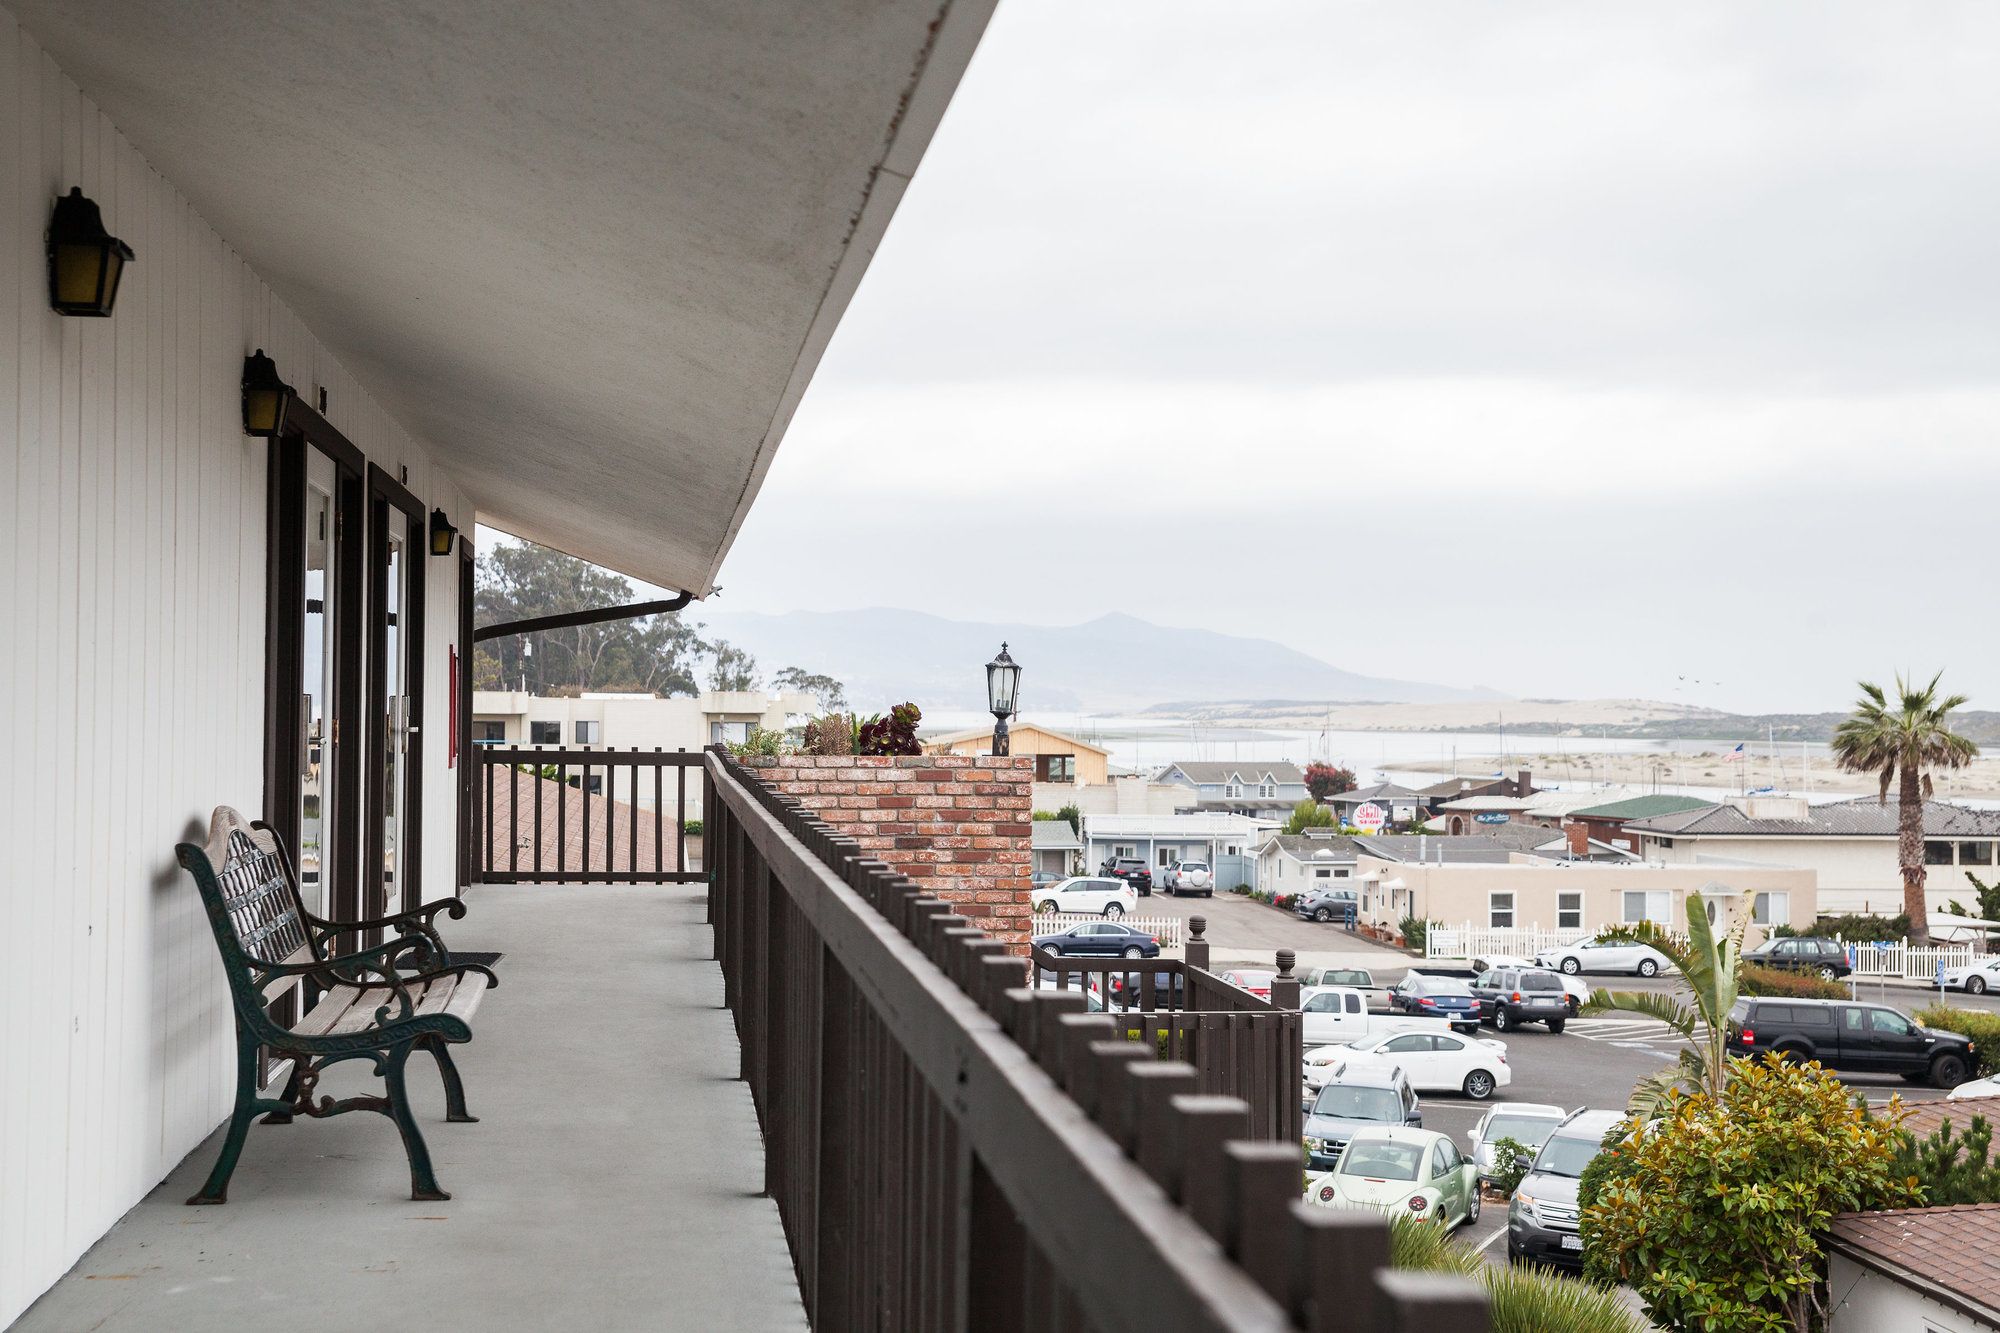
(371, 1005)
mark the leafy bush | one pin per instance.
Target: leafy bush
(1856, 926)
(1413, 931)
(1982, 1027)
(1952, 1168)
(1242, 888)
(1522, 1300)
(1511, 1160)
(1717, 1215)
(1755, 980)
(692, 828)
(894, 734)
(832, 733)
(1324, 780)
(759, 744)
(1285, 901)
(1309, 814)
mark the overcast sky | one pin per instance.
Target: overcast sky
(1568, 349)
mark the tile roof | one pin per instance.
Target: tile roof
(1462, 786)
(1205, 770)
(1642, 807)
(1950, 1253)
(1489, 803)
(1925, 1117)
(1863, 817)
(1381, 791)
(1494, 847)
(1053, 835)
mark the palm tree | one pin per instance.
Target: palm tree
(1902, 743)
(1708, 965)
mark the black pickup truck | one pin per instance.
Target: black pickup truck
(1852, 1037)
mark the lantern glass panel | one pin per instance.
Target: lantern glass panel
(263, 410)
(80, 275)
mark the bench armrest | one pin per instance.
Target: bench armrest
(416, 923)
(368, 969)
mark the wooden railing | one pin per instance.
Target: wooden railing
(949, 1148)
(1239, 1045)
(551, 815)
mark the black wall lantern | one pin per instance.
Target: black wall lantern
(85, 261)
(266, 398)
(1003, 688)
(442, 533)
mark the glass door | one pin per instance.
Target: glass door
(316, 715)
(395, 624)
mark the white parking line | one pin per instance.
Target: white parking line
(1487, 1244)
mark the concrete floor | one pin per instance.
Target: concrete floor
(611, 1184)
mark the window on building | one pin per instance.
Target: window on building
(1569, 911)
(1265, 790)
(1166, 855)
(1500, 910)
(1655, 905)
(1771, 909)
(1122, 849)
(545, 733)
(1055, 768)
(1232, 790)
(1975, 853)
(589, 733)
(1937, 853)
(489, 733)
(728, 733)
(1322, 872)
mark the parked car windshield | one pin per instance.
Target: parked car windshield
(1346, 978)
(1382, 1159)
(1348, 1103)
(1532, 1130)
(1539, 981)
(1444, 986)
(1566, 1156)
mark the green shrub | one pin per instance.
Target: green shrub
(1413, 931)
(1855, 926)
(1982, 1027)
(1754, 980)
(692, 828)
(1511, 1160)
(1952, 1168)
(1242, 888)
(1523, 1300)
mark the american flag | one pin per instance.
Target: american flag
(1739, 752)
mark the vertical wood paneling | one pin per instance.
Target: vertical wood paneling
(132, 537)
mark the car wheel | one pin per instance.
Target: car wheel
(1479, 1085)
(1472, 1209)
(1048, 905)
(1113, 909)
(1975, 985)
(1556, 1025)
(1322, 916)
(1135, 952)
(1502, 1020)
(1571, 967)
(1947, 1071)
(1648, 968)
(1826, 973)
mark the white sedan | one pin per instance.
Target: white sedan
(1979, 1087)
(1432, 1061)
(1595, 955)
(1978, 978)
(1088, 895)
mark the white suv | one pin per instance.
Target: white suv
(1189, 877)
(1095, 897)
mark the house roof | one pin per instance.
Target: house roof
(1642, 807)
(588, 255)
(1494, 848)
(1925, 1117)
(1461, 786)
(1381, 791)
(1551, 803)
(1487, 803)
(1204, 824)
(1303, 847)
(1053, 835)
(1203, 770)
(1950, 1254)
(986, 733)
(1862, 818)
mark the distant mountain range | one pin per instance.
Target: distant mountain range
(1112, 663)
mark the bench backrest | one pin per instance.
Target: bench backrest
(252, 902)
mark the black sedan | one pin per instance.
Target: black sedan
(1103, 939)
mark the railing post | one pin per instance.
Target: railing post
(1285, 986)
(1197, 944)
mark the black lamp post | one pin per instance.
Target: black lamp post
(266, 398)
(85, 261)
(1003, 688)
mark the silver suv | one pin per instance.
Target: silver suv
(1189, 877)
(1544, 1221)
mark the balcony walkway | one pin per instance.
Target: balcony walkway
(611, 1184)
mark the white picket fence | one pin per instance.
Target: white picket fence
(1896, 960)
(1168, 930)
(1470, 941)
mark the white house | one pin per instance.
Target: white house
(1928, 1270)
(1226, 842)
(1266, 790)
(1290, 862)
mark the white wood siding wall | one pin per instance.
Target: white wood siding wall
(132, 543)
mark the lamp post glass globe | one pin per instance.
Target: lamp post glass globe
(1003, 688)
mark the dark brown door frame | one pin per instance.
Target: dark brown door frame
(468, 761)
(284, 651)
(384, 493)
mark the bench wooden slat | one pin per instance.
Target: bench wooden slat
(350, 1010)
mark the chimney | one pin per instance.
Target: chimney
(1524, 784)
(1579, 838)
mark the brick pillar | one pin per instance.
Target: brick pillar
(956, 824)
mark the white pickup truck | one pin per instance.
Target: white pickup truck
(1335, 1015)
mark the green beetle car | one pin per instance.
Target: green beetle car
(1412, 1171)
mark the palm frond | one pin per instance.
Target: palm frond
(1649, 1003)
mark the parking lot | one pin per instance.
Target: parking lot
(1594, 1062)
